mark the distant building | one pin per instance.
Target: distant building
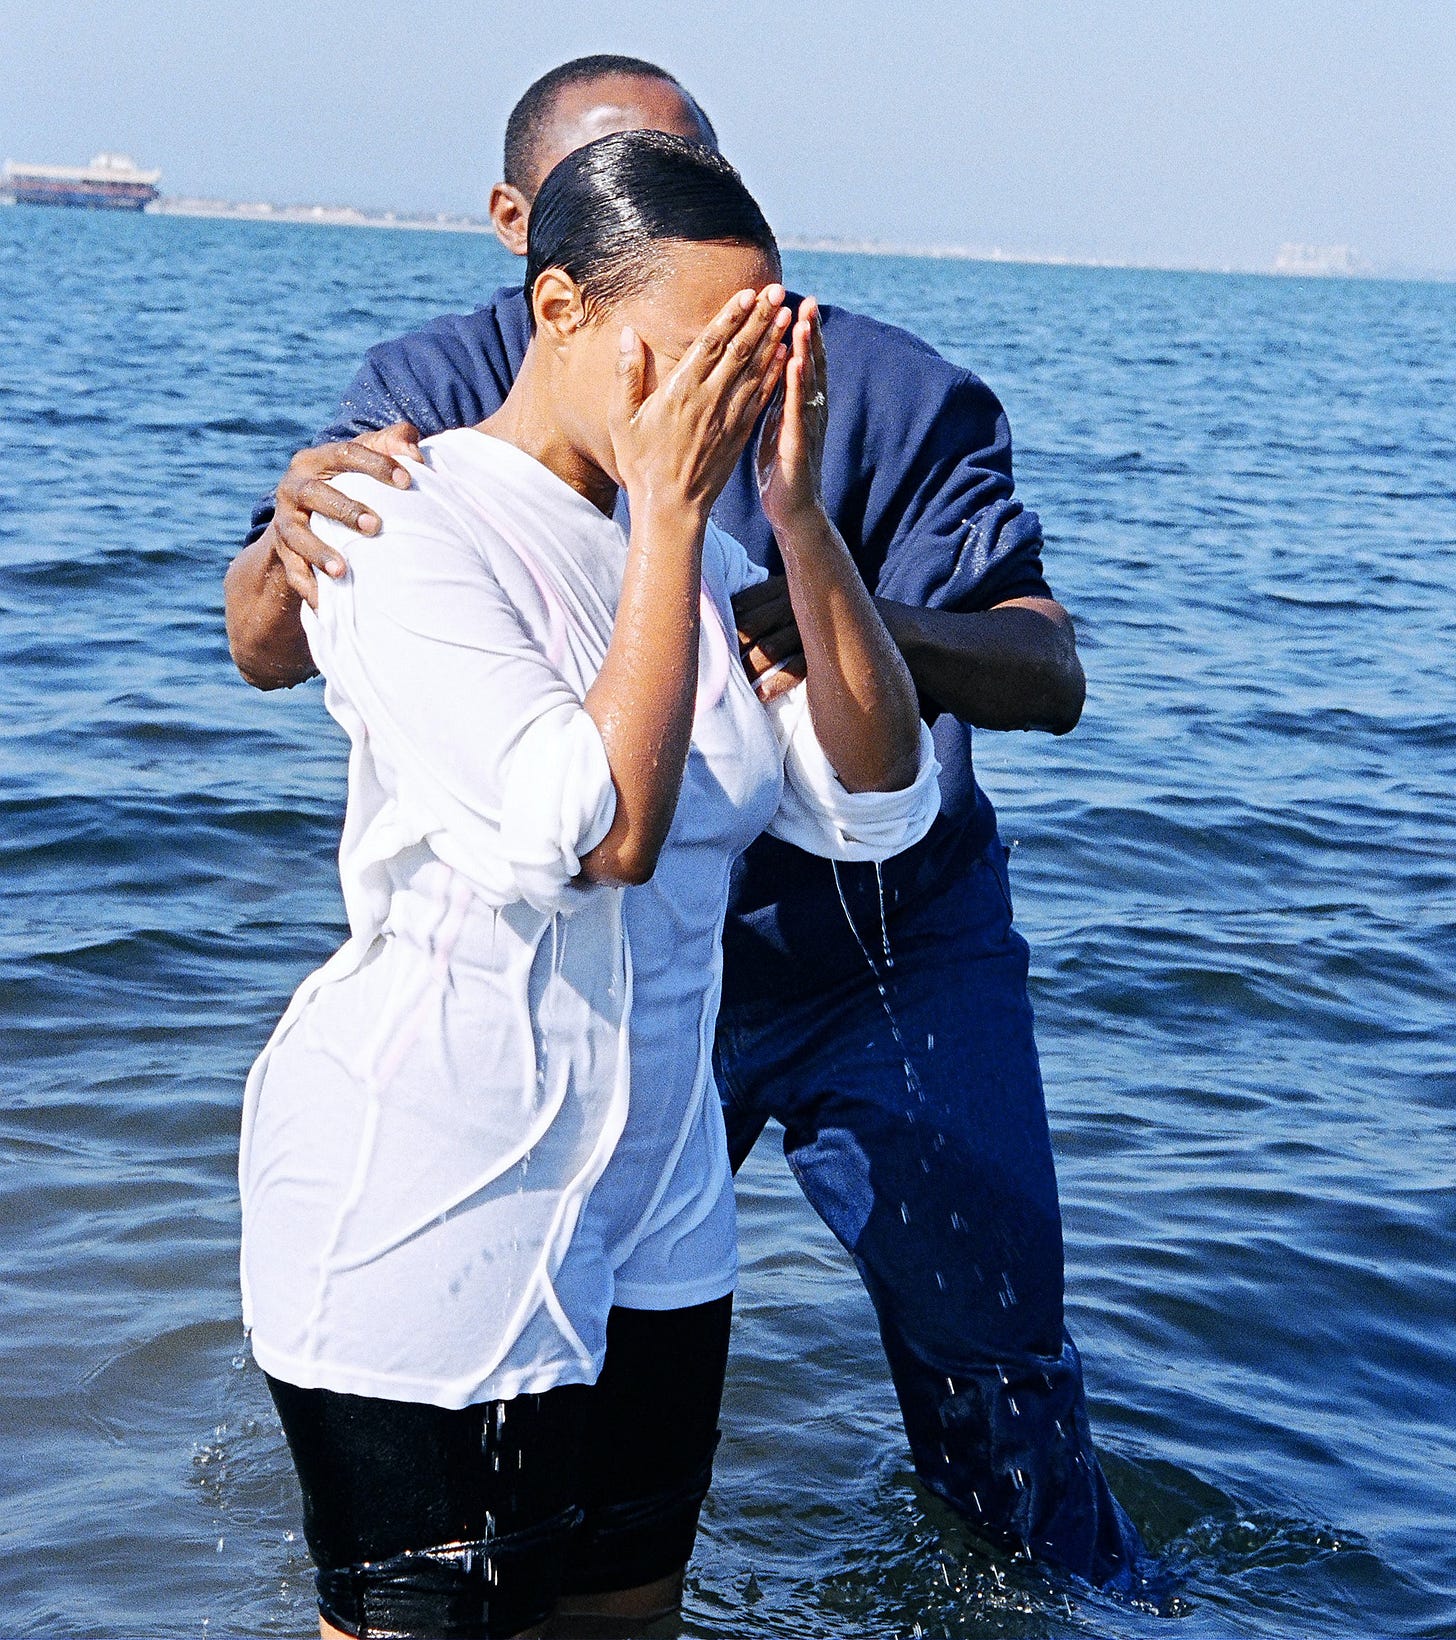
(111, 182)
(1318, 261)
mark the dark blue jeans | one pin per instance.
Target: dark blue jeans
(914, 1120)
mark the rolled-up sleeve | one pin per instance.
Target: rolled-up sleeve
(486, 751)
(817, 812)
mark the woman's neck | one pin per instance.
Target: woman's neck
(530, 419)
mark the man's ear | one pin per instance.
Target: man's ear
(560, 311)
(510, 212)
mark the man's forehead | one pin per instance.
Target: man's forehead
(615, 102)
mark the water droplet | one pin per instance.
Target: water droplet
(884, 924)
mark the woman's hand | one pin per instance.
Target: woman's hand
(677, 445)
(791, 445)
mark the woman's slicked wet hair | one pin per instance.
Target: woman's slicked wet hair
(601, 212)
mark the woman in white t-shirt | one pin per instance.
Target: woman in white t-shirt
(488, 1230)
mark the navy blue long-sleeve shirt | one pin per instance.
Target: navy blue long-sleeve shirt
(917, 477)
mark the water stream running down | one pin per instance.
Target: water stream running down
(1238, 878)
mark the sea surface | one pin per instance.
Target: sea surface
(1238, 878)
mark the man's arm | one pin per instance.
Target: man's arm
(924, 485)
(1013, 666)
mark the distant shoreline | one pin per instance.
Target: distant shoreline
(1294, 261)
(322, 216)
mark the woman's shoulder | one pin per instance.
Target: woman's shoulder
(436, 506)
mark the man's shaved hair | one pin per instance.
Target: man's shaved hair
(531, 117)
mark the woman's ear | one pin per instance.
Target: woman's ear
(560, 311)
(510, 216)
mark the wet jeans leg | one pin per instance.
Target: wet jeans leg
(914, 1120)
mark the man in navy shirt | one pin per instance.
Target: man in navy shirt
(880, 1014)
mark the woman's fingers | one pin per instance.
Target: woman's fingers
(750, 393)
(733, 342)
(816, 338)
(750, 353)
(629, 389)
(752, 380)
(698, 362)
(791, 435)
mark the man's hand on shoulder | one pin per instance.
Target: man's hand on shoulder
(305, 490)
(268, 582)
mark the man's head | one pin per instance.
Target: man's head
(573, 105)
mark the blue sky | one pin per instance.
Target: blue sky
(1174, 132)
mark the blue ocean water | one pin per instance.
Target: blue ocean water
(1238, 878)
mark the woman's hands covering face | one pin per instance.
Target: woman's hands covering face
(677, 445)
(791, 444)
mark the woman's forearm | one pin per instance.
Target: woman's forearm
(861, 696)
(265, 634)
(645, 695)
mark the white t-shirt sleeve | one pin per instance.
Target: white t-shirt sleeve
(489, 753)
(819, 815)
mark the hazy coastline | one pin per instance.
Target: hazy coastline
(1290, 260)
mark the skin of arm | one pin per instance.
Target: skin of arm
(1013, 666)
(674, 450)
(861, 696)
(265, 635)
(643, 698)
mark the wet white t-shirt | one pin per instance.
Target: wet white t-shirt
(491, 1115)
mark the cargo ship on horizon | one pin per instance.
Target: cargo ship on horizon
(111, 182)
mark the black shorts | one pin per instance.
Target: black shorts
(470, 1525)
